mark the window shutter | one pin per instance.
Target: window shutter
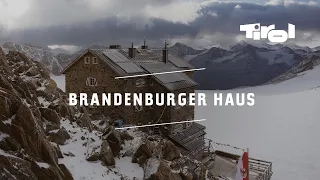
(87, 81)
(95, 82)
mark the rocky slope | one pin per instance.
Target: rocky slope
(41, 137)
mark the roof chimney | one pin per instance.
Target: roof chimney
(144, 45)
(165, 53)
(132, 51)
(115, 46)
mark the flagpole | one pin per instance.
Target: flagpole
(248, 164)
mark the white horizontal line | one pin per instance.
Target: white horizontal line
(170, 72)
(161, 124)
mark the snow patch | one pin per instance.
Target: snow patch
(43, 102)
(151, 167)
(3, 135)
(9, 121)
(43, 165)
(7, 155)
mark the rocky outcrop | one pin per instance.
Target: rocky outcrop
(143, 153)
(126, 136)
(50, 115)
(170, 151)
(84, 119)
(156, 169)
(114, 139)
(59, 136)
(106, 155)
(24, 121)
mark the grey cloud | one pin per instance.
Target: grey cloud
(222, 28)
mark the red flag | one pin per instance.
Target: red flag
(243, 167)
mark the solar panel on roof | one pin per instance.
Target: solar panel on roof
(130, 67)
(115, 56)
(170, 78)
(178, 62)
(158, 67)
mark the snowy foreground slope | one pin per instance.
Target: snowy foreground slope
(82, 169)
(282, 127)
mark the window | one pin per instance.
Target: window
(91, 82)
(94, 60)
(87, 60)
(138, 108)
(140, 82)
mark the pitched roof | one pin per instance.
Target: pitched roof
(188, 137)
(146, 61)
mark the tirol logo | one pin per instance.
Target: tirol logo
(244, 172)
(257, 32)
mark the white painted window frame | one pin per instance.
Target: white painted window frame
(87, 60)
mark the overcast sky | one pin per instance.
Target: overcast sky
(198, 23)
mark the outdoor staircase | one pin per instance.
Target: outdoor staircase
(208, 161)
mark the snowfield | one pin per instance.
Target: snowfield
(282, 127)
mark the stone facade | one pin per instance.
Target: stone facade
(78, 73)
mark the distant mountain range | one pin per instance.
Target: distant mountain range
(53, 59)
(243, 64)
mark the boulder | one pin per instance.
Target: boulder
(156, 169)
(51, 86)
(50, 115)
(94, 156)
(143, 153)
(186, 176)
(84, 120)
(93, 153)
(114, 139)
(126, 136)
(170, 151)
(32, 71)
(106, 155)
(59, 136)
(9, 144)
(51, 127)
(63, 110)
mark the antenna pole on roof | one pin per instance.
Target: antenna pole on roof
(132, 44)
(165, 44)
(144, 42)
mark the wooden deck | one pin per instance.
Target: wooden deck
(224, 165)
